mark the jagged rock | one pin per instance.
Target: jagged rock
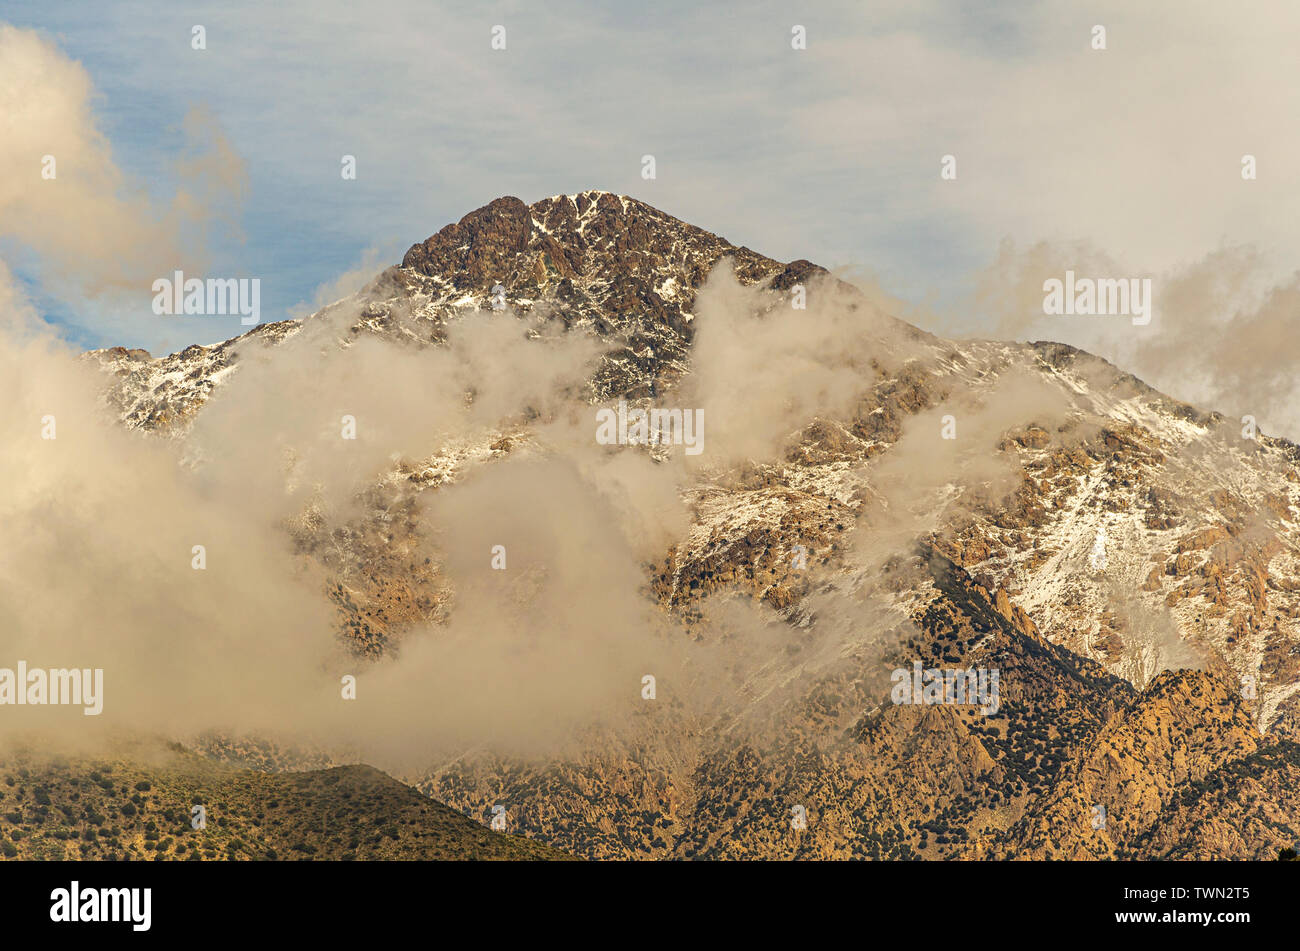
(1138, 534)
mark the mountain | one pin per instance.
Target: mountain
(606, 262)
(1125, 561)
(138, 804)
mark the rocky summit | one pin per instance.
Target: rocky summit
(1128, 564)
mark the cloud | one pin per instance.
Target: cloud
(1098, 151)
(345, 285)
(105, 522)
(64, 197)
(762, 369)
(1219, 335)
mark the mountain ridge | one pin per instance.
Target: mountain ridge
(1140, 535)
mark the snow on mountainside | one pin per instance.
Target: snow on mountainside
(1170, 541)
(1112, 534)
(603, 262)
(1197, 524)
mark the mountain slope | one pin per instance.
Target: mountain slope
(139, 806)
(1085, 535)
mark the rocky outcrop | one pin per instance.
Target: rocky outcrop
(1134, 580)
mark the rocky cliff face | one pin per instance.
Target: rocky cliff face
(595, 260)
(1134, 582)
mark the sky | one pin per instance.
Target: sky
(1126, 160)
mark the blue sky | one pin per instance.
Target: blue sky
(1128, 155)
(441, 124)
